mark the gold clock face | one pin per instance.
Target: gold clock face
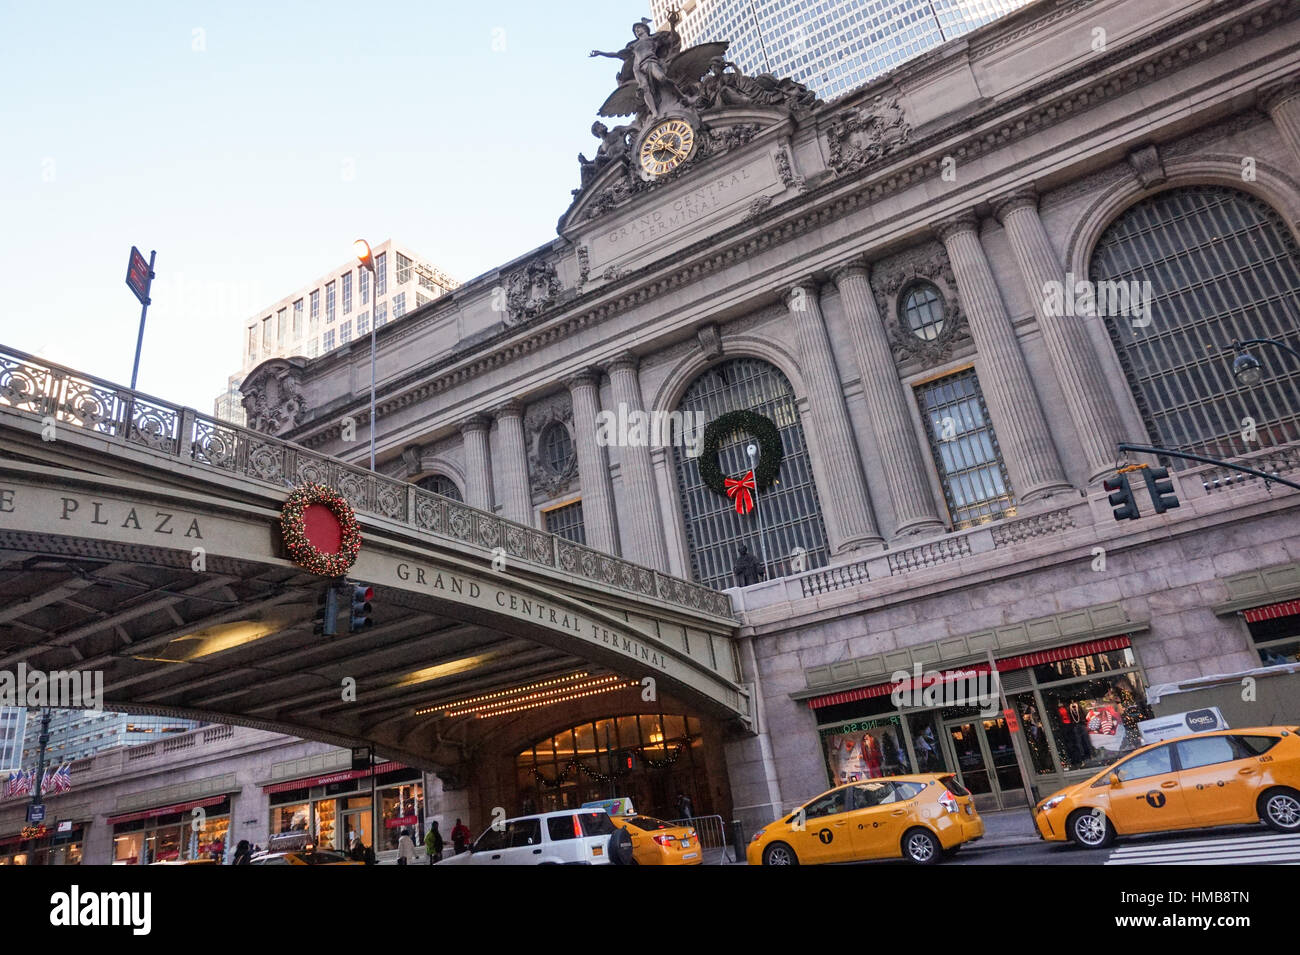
(667, 146)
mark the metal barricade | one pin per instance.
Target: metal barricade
(712, 832)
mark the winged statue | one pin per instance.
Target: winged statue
(657, 74)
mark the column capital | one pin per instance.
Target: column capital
(800, 290)
(1022, 197)
(582, 377)
(624, 359)
(854, 266)
(948, 226)
(475, 422)
(1275, 94)
(514, 408)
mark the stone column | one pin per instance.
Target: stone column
(640, 513)
(843, 492)
(914, 511)
(593, 465)
(478, 468)
(1076, 365)
(1282, 103)
(515, 490)
(1026, 443)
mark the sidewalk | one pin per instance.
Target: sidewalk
(1008, 827)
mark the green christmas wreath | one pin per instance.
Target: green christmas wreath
(761, 428)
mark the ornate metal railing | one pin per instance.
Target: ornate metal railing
(61, 398)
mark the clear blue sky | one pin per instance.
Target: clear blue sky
(226, 150)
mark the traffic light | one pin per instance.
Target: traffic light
(1161, 488)
(1121, 498)
(359, 614)
(327, 613)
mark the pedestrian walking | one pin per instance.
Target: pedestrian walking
(433, 843)
(685, 808)
(243, 852)
(405, 848)
(459, 837)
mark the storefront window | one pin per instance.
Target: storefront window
(399, 808)
(924, 729)
(164, 843)
(866, 749)
(209, 840)
(1277, 640)
(290, 818)
(1094, 721)
(1087, 665)
(1031, 724)
(127, 846)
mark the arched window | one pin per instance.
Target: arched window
(556, 447)
(1222, 265)
(439, 484)
(790, 509)
(923, 311)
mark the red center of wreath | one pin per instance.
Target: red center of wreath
(322, 529)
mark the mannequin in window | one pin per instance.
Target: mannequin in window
(871, 756)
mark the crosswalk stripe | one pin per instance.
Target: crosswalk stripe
(1275, 849)
(1252, 840)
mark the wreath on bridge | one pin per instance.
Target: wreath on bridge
(742, 489)
(302, 551)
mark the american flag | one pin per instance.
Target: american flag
(11, 787)
(45, 781)
(62, 779)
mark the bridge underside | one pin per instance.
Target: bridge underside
(238, 646)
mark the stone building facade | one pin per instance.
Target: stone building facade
(895, 281)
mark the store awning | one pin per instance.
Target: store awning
(166, 810)
(340, 777)
(1286, 608)
(1005, 665)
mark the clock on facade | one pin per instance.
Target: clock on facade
(666, 146)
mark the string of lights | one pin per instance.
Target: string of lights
(500, 694)
(593, 687)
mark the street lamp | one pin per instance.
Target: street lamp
(752, 451)
(1246, 368)
(362, 250)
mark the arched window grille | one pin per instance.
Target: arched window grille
(440, 484)
(1222, 265)
(791, 510)
(923, 311)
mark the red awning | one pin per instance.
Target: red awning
(166, 810)
(340, 777)
(1286, 608)
(1005, 665)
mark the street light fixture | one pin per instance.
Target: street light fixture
(362, 250)
(1246, 368)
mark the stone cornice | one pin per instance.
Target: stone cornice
(985, 131)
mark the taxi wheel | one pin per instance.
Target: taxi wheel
(778, 853)
(1090, 829)
(1280, 809)
(922, 847)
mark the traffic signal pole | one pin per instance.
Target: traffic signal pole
(1187, 456)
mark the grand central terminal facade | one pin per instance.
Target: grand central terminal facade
(893, 342)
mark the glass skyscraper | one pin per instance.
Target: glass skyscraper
(831, 46)
(76, 734)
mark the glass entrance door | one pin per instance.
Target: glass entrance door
(986, 762)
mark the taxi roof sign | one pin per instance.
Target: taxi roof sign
(621, 806)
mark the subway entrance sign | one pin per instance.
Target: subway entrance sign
(138, 275)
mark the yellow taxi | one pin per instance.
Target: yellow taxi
(1219, 778)
(654, 841)
(919, 818)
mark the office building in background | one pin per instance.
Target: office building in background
(831, 46)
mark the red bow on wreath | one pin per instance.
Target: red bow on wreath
(739, 490)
